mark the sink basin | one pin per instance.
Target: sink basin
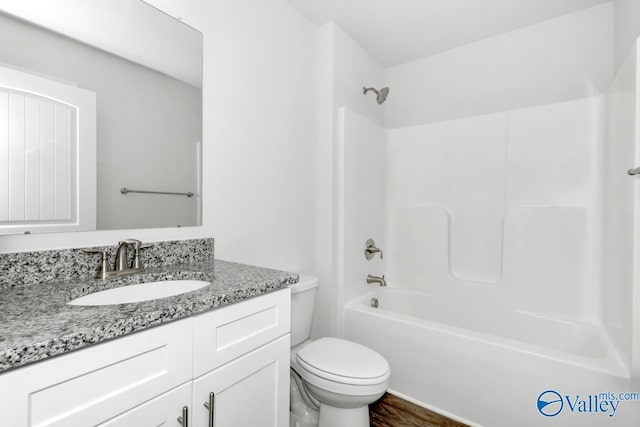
(141, 292)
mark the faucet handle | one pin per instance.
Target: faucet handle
(93, 250)
(136, 264)
(370, 250)
(103, 267)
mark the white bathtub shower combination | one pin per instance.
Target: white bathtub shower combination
(485, 367)
(509, 242)
(578, 342)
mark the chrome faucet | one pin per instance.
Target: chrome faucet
(121, 266)
(376, 279)
(122, 254)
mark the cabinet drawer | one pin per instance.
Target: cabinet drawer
(92, 385)
(163, 411)
(227, 333)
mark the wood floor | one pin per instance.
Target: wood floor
(391, 411)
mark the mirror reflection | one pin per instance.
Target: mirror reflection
(87, 110)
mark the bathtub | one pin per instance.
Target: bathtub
(487, 367)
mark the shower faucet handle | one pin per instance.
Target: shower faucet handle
(370, 250)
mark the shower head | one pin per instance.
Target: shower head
(382, 93)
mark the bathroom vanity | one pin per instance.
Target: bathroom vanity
(216, 356)
(239, 353)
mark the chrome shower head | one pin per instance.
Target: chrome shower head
(381, 94)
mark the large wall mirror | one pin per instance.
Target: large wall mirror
(96, 97)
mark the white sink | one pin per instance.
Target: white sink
(141, 292)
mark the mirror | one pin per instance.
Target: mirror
(97, 97)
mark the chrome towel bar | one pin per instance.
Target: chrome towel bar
(125, 190)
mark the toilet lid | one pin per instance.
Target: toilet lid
(334, 357)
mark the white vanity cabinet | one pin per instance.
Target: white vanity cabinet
(239, 352)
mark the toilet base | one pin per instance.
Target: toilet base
(330, 416)
(297, 421)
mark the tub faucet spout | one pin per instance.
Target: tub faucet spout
(376, 279)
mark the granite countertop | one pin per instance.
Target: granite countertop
(36, 323)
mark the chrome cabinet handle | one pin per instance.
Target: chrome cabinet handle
(184, 419)
(210, 405)
(634, 171)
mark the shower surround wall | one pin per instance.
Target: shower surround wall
(492, 153)
(508, 219)
(361, 170)
(502, 207)
(618, 241)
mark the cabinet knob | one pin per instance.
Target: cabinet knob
(184, 419)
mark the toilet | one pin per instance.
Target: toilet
(333, 381)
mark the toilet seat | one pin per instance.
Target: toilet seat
(343, 367)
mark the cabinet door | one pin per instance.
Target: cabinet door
(251, 391)
(164, 410)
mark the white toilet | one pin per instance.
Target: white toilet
(332, 380)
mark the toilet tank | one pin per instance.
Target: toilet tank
(303, 298)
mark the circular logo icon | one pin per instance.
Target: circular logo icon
(550, 403)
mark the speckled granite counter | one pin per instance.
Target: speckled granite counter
(36, 323)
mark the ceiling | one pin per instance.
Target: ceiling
(398, 31)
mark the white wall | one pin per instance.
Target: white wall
(344, 67)
(326, 309)
(557, 60)
(259, 133)
(354, 68)
(627, 27)
(258, 138)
